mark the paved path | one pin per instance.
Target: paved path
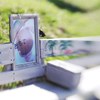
(88, 61)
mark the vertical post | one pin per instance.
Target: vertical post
(37, 39)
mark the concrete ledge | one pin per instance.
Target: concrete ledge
(63, 73)
(90, 81)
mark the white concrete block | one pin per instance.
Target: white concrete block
(63, 73)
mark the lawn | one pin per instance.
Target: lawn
(57, 18)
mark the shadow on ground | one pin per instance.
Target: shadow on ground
(64, 5)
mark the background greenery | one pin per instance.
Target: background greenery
(57, 18)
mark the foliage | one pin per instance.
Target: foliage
(58, 18)
(63, 57)
(1, 68)
(11, 85)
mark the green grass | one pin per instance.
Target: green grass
(11, 85)
(60, 58)
(64, 58)
(1, 68)
(56, 19)
(86, 4)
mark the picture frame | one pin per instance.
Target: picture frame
(24, 34)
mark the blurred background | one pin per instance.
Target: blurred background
(58, 18)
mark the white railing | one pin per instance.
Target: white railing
(49, 47)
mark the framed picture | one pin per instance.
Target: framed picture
(25, 37)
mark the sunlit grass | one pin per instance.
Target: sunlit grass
(1, 68)
(54, 21)
(64, 58)
(86, 4)
(11, 85)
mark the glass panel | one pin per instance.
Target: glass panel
(23, 37)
